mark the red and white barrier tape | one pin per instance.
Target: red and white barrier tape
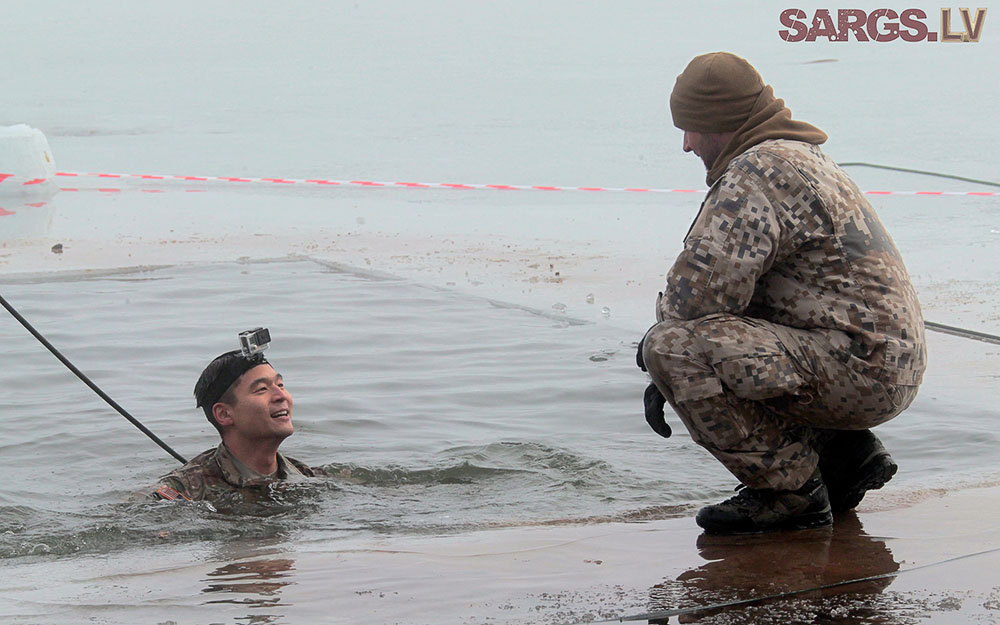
(12, 180)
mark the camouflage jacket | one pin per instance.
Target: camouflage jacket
(785, 236)
(217, 471)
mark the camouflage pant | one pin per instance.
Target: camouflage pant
(759, 396)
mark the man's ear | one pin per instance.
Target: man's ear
(223, 414)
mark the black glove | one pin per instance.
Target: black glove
(638, 356)
(654, 401)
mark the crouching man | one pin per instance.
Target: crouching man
(788, 326)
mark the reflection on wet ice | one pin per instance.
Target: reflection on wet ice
(253, 583)
(741, 568)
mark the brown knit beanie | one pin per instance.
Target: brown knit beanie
(720, 92)
(715, 93)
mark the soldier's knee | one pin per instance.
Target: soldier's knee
(681, 337)
(669, 338)
(673, 355)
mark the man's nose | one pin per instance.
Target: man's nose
(686, 143)
(280, 393)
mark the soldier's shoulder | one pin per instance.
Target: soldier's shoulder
(189, 480)
(783, 152)
(779, 150)
(304, 468)
(199, 464)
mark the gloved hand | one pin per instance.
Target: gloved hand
(638, 356)
(653, 400)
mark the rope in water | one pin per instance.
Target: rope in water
(88, 382)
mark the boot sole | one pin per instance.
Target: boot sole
(873, 475)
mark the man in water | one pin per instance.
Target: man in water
(245, 399)
(788, 326)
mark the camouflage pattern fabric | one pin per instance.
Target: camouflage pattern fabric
(789, 311)
(217, 472)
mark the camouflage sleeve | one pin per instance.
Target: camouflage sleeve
(171, 488)
(732, 243)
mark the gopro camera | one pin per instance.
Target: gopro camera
(253, 342)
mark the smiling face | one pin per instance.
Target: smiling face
(260, 411)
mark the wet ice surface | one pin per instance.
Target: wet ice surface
(566, 574)
(463, 410)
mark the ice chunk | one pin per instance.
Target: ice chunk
(25, 157)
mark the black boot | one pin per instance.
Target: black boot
(853, 462)
(757, 510)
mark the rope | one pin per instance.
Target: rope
(88, 382)
(967, 334)
(921, 172)
(662, 615)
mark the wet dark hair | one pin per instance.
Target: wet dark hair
(217, 380)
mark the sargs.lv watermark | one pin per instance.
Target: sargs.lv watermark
(881, 25)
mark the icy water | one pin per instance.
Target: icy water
(436, 413)
(455, 369)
